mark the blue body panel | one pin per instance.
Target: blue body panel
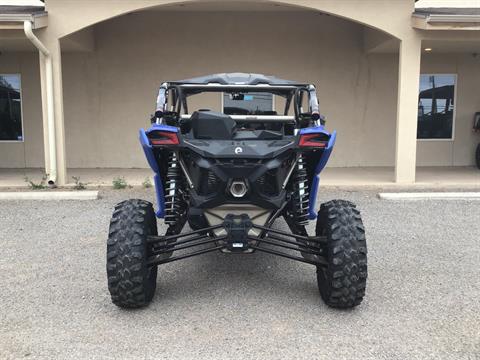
(162, 128)
(312, 213)
(314, 130)
(157, 180)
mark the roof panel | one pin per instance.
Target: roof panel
(238, 79)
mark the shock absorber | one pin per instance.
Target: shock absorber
(300, 196)
(174, 202)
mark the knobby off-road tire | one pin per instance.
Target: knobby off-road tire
(130, 281)
(477, 156)
(342, 283)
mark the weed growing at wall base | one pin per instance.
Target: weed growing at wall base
(119, 183)
(147, 183)
(37, 186)
(78, 184)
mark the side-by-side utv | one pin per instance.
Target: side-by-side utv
(230, 174)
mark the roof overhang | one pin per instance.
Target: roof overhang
(13, 17)
(446, 19)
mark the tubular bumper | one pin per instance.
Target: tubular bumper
(238, 240)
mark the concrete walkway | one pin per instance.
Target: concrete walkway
(427, 177)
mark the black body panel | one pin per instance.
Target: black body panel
(239, 149)
(213, 177)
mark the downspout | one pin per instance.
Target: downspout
(52, 153)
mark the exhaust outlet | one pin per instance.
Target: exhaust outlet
(238, 189)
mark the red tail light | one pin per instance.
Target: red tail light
(163, 138)
(314, 140)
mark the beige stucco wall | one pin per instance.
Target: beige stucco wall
(28, 153)
(110, 93)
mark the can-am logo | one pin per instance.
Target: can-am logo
(238, 150)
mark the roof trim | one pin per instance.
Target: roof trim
(446, 19)
(448, 10)
(13, 17)
(21, 9)
(237, 79)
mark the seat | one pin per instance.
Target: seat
(207, 124)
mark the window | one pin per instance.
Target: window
(10, 108)
(251, 103)
(436, 106)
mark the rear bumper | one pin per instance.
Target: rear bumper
(238, 239)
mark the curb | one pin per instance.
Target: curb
(49, 195)
(430, 196)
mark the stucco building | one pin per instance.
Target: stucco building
(399, 81)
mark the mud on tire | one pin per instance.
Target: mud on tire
(130, 281)
(342, 283)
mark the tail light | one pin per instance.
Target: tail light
(163, 138)
(319, 140)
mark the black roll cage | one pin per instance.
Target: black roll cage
(180, 93)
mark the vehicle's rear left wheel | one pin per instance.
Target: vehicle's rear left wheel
(131, 281)
(342, 282)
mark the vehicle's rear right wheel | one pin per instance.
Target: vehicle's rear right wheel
(343, 281)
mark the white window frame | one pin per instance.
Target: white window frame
(21, 109)
(454, 120)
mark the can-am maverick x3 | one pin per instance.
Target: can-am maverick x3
(230, 174)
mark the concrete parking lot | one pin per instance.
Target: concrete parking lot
(423, 293)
